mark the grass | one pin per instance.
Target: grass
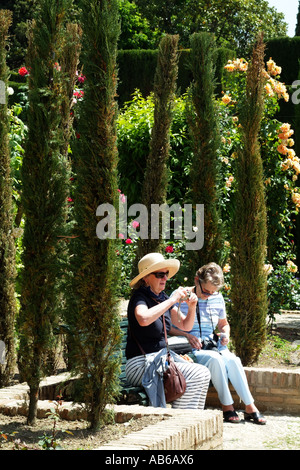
(278, 350)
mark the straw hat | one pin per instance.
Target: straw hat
(153, 262)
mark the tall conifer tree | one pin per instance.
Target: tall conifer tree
(156, 177)
(7, 247)
(93, 315)
(249, 226)
(44, 197)
(205, 134)
(297, 30)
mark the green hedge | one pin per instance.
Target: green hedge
(137, 69)
(285, 52)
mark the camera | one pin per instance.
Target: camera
(188, 295)
(210, 344)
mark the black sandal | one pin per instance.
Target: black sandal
(228, 415)
(256, 417)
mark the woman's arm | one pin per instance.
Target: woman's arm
(193, 340)
(183, 322)
(223, 327)
(145, 316)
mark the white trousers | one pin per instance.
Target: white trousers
(222, 367)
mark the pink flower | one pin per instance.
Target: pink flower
(78, 94)
(128, 241)
(23, 71)
(121, 235)
(135, 224)
(169, 249)
(81, 78)
(122, 198)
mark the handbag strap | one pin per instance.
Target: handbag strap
(165, 330)
(164, 323)
(199, 318)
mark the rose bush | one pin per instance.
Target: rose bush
(281, 170)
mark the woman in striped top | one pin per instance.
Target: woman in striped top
(211, 350)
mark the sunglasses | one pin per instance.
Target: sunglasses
(204, 292)
(161, 275)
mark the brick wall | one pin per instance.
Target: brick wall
(273, 390)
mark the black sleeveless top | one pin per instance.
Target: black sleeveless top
(151, 337)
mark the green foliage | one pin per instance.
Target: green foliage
(154, 189)
(135, 122)
(136, 32)
(134, 127)
(297, 31)
(283, 291)
(205, 134)
(45, 177)
(137, 69)
(249, 224)
(7, 245)
(235, 23)
(93, 310)
(280, 178)
(286, 52)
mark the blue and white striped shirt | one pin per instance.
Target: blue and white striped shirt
(211, 311)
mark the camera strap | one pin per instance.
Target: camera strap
(199, 318)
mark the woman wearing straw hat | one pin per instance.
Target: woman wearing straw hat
(146, 338)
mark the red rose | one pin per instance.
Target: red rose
(23, 71)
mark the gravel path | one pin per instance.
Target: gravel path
(280, 433)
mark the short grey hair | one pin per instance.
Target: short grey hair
(213, 273)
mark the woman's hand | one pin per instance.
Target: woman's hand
(182, 294)
(224, 339)
(193, 299)
(194, 341)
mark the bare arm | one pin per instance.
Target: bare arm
(223, 327)
(193, 340)
(145, 316)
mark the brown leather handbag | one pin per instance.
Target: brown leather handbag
(173, 378)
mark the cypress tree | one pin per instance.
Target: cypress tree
(156, 177)
(44, 198)
(203, 122)
(297, 30)
(249, 226)
(7, 247)
(93, 314)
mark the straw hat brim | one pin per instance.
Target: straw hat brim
(171, 264)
